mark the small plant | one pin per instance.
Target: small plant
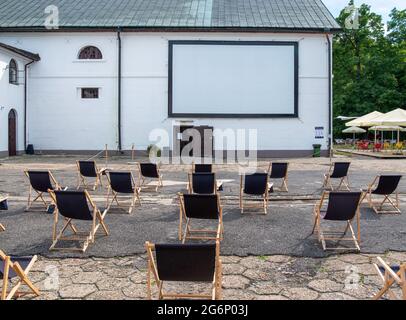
(153, 151)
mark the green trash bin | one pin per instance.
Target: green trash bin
(316, 150)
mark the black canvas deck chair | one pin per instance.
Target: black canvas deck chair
(74, 205)
(40, 183)
(184, 263)
(337, 170)
(122, 184)
(86, 170)
(150, 171)
(279, 171)
(16, 268)
(201, 168)
(202, 183)
(385, 186)
(342, 207)
(391, 276)
(3, 206)
(255, 185)
(200, 206)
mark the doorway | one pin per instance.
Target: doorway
(12, 133)
(205, 143)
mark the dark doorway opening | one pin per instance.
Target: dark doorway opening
(12, 133)
(183, 138)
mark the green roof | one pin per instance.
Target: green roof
(306, 15)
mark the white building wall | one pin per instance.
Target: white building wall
(59, 119)
(11, 97)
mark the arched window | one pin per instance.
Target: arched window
(90, 53)
(13, 72)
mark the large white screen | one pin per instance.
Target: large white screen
(234, 79)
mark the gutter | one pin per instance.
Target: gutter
(26, 101)
(119, 90)
(330, 98)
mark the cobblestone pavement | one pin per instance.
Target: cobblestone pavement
(343, 277)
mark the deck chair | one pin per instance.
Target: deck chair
(202, 168)
(202, 183)
(390, 276)
(255, 185)
(279, 170)
(200, 206)
(74, 205)
(386, 186)
(184, 263)
(337, 170)
(149, 171)
(122, 183)
(40, 183)
(342, 207)
(16, 268)
(3, 206)
(88, 169)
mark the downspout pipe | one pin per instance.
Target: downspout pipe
(330, 98)
(26, 101)
(119, 76)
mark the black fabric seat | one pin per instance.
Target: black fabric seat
(340, 169)
(73, 205)
(40, 180)
(199, 206)
(121, 182)
(387, 184)
(149, 170)
(279, 170)
(342, 206)
(394, 269)
(256, 184)
(186, 262)
(88, 169)
(203, 168)
(22, 261)
(203, 183)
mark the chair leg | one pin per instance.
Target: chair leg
(2, 228)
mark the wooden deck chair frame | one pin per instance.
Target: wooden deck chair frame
(185, 232)
(142, 179)
(86, 237)
(21, 273)
(82, 180)
(152, 268)
(284, 186)
(2, 228)
(377, 206)
(261, 204)
(134, 198)
(327, 182)
(390, 278)
(338, 236)
(39, 196)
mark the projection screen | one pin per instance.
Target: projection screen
(233, 79)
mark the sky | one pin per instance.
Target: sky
(382, 7)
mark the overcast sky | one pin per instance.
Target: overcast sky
(382, 7)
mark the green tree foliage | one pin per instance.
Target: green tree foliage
(369, 65)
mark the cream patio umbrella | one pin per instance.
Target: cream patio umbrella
(396, 117)
(387, 128)
(354, 130)
(364, 121)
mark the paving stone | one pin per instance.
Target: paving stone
(235, 294)
(235, 282)
(255, 262)
(106, 295)
(271, 297)
(257, 275)
(230, 259)
(355, 258)
(77, 291)
(399, 256)
(300, 294)
(265, 288)
(135, 291)
(87, 277)
(109, 283)
(325, 285)
(335, 296)
(279, 259)
(233, 268)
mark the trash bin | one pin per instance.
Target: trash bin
(316, 150)
(30, 149)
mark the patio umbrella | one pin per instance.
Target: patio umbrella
(354, 130)
(364, 121)
(396, 117)
(387, 128)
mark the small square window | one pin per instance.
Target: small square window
(90, 93)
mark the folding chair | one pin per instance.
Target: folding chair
(202, 183)
(16, 267)
(200, 206)
(344, 207)
(122, 183)
(40, 183)
(202, 168)
(337, 170)
(384, 185)
(279, 170)
(74, 205)
(255, 185)
(184, 263)
(3, 206)
(150, 171)
(391, 275)
(88, 169)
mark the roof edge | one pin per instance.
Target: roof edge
(21, 52)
